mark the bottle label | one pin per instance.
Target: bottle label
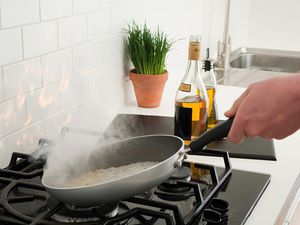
(183, 122)
(185, 87)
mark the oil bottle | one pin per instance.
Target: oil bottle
(191, 103)
(210, 82)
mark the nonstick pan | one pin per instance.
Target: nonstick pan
(169, 151)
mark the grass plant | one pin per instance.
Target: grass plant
(147, 49)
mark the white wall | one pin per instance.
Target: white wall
(56, 53)
(274, 24)
(238, 23)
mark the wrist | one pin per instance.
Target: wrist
(295, 88)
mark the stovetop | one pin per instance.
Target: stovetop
(195, 194)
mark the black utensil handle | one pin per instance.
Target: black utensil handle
(216, 133)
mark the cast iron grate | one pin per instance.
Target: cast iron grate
(20, 184)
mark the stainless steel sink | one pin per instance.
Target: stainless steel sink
(266, 60)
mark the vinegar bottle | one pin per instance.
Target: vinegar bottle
(210, 82)
(191, 101)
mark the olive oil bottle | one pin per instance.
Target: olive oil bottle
(210, 82)
(191, 101)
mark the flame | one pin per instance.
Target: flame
(43, 100)
(25, 138)
(31, 88)
(27, 121)
(68, 119)
(7, 114)
(65, 80)
(19, 142)
(20, 97)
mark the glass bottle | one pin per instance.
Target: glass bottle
(191, 97)
(210, 82)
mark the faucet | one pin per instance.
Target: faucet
(224, 48)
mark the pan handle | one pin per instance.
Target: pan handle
(216, 133)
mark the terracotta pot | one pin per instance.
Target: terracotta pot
(148, 88)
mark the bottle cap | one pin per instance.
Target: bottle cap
(195, 39)
(208, 63)
(194, 47)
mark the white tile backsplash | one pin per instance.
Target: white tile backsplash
(51, 9)
(4, 156)
(10, 45)
(107, 77)
(40, 38)
(80, 6)
(61, 60)
(12, 116)
(92, 54)
(53, 124)
(42, 103)
(75, 90)
(1, 87)
(99, 23)
(22, 77)
(113, 3)
(56, 66)
(72, 30)
(19, 12)
(26, 140)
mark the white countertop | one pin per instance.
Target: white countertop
(284, 171)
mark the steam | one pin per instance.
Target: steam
(71, 154)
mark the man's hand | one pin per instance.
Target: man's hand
(269, 109)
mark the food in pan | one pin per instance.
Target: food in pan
(101, 176)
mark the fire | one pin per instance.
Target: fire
(68, 119)
(31, 88)
(19, 142)
(7, 114)
(43, 100)
(26, 138)
(21, 97)
(65, 81)
(27, 121)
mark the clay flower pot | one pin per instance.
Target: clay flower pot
(148, 88)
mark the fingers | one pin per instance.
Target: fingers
(236, 134)
(234, 108)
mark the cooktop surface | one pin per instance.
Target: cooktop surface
(178, 200)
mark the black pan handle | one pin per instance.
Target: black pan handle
(216, 133)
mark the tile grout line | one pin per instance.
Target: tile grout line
(23, 49)
(40, 10)
(2, 80)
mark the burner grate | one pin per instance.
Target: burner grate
(20, 184)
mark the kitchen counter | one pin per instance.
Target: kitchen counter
(245, 77)
(284, 171)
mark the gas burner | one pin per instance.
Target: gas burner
(183, 173)
(218, 213)
(171, 185)
(174, 189)
(75, 214)
(147, 195)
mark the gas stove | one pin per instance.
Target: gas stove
(195, 194)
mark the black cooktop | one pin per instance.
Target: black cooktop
(130, 125)
(177, 201)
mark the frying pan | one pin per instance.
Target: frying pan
(168, 150)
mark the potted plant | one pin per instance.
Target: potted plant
(147, 50)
